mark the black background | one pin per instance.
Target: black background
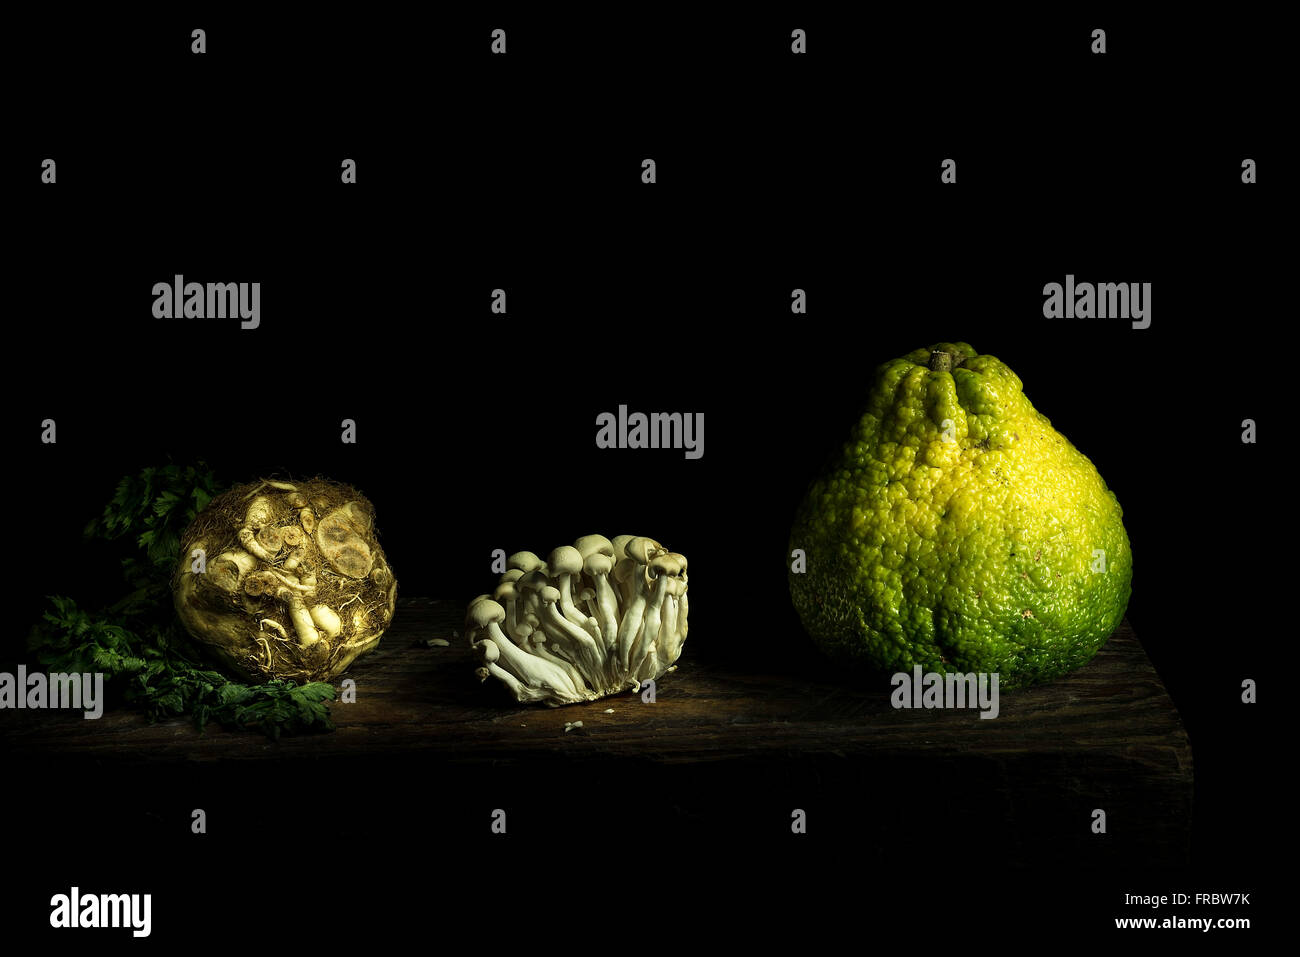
(476, 432)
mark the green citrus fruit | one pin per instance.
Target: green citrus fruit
(957, 530)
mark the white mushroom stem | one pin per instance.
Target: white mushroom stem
(641, 551)
(569, 609)
(598, 567)
(534, 643)
(597, 554)
(587, 601)
(527, 693)
(587, 606)
(529, 639)
(530, 610)
(521, 692)
(295, 558)
(654, 650)
(619, 545)
(670, 644)
(568, 633)
(509, 595)
(563, 563)
(575, 642)
(529, 669)
(651, 621)
(491, 654)
(625, 587)
(651, 665)
(630, 627)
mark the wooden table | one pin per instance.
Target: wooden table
(722, 751)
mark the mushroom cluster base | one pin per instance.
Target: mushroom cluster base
(285, 579)
(596, 618)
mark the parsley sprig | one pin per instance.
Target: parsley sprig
(137, 642)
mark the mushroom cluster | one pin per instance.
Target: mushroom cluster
(597, 618)
(285, 579)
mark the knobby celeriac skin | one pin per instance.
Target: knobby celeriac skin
(959, 531)
(293, 583)
(596, 618)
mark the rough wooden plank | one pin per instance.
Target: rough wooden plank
(722, 753)
(413, 697)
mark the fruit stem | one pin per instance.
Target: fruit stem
(941, 361)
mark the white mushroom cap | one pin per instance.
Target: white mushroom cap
(527, 589)
(565, 560)
(508, 593)
(625, 570)
(642, 549)
(620, 545)
(665, 564)
(596, 618)
(594, 544)
(526, 561)
(533, 581)
(469, 611)
(486, 612)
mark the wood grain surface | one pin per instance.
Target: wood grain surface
(721, 738)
